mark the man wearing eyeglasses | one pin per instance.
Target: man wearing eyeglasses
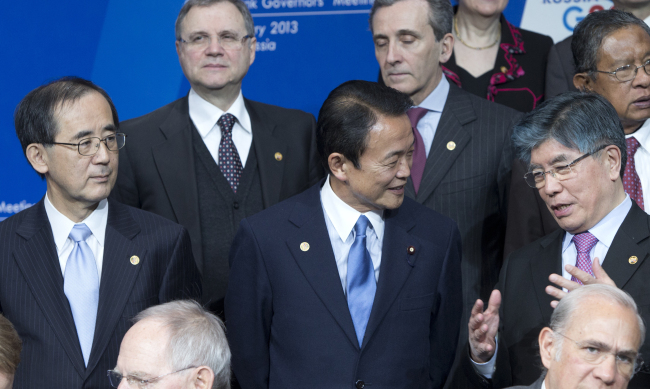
(213, 157)
(592, 341)
(575, 148)
(76, 267)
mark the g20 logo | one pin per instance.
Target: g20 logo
(573, 15)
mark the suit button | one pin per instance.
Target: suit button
(236, 205)
(360, 384)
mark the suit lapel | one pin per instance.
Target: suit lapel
(546, 262)
(625, 245)
(396, 266)
(317, 263)
(457, 112)
(174, 159)
(118, 276)
(266, 148)
(38, 261)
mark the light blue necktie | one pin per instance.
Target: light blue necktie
(81, 286)
(361, 280)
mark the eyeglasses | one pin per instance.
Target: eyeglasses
(537, 179)
(627, 364)
(115, 378)
(628, 72)
(226, 40)
(89, 146)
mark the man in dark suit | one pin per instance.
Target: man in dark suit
(349, 283)
(212, 158)
(76, 267)
(575, 147)
(461, 166)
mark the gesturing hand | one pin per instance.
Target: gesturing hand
(483, 327)
(601, 277)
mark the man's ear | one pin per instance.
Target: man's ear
(37, 157)
(546, 346)
(583, 82)
(339, 166)
(203, 378)
(613, 155)
(447, 45)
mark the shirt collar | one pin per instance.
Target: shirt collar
(607, 227)
(204, 115)
(344, 217)
(61, 225)
(642, 135)
(436, 99)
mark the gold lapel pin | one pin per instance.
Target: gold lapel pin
(135, 260)
(451, 145)
(278, 156)
(633, 260)
(304, 246)
(411, 250)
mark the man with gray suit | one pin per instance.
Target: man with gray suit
(461, 164)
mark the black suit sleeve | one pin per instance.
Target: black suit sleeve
(560, 69)
(248, 309)
(182, 279)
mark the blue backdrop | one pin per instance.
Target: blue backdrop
(305, 49)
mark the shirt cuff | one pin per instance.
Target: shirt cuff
(487, 369)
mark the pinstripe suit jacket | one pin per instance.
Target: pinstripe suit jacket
(466, 178)
(32, 297)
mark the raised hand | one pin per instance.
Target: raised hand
(601, 277)
(483, 327)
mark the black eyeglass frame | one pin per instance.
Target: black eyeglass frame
(117, 136)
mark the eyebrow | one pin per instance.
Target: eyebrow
(559, 158)
(87, 133)
(398, 152)
(401, 32)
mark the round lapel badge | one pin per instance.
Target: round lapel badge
(304, 246)
(278, 156)
(135, 260)
(411, 250)
(633, 260)
(451, 145)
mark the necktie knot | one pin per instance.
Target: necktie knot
(361, 226)
(415, 114)
(80, 232)
(584, 242)
(226, 123)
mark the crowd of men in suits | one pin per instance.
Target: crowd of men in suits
(365, 249)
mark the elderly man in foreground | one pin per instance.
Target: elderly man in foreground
(174, 345)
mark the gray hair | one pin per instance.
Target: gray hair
(583, 121)
(196, 338)
(241, 6)
(572, 301)
(441, 15)
(592, 30)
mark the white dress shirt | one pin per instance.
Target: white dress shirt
(61, 227)
(642, 160)
(340, 219)
(435, 102)
(604, 231)
(204, 115)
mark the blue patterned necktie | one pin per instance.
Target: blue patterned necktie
(229, 161)
(81, 286)
(361, 280)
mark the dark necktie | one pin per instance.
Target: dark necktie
(584, 242)
(229, 161)
(419, 152)
(361, 280)
(631, 181)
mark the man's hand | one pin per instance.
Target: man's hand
(601, 277)
(483, 327)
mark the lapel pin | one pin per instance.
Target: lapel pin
(451, 145)
(304, 246)
(633, 260)
(278, 156)
(411, 250)
(135, 260)
(504, 69)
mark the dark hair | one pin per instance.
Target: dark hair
(34, 118)
(582, 121)
(348, 114)
(10, 346)
(589, 34)
(241, 6)
(441, 15)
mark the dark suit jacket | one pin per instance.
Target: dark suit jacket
(526, 308)
(560, 69)
(469, 183)
(289, 325)
(32, 296)
(157, 171)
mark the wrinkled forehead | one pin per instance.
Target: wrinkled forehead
(551, 152)
(214, 17)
